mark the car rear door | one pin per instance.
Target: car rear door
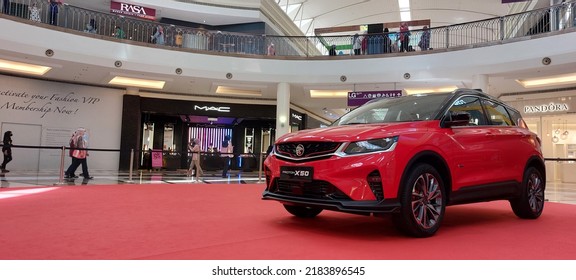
(509, 141)
(473, 154)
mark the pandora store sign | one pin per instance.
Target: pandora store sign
(132, 10)
(548, 106)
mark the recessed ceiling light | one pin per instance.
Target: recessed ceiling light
(328, 93)
(134, 82)
(412, 91)
(238, 91)
(25, 68)
(548, 81)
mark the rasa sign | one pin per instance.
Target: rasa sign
(132, 10)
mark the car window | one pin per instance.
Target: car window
(400, 109)
(517, 119)
(472, 106)
(498, 114)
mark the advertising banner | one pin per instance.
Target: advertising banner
(357, 98)
(132, 10)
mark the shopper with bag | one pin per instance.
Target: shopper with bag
(79, 154)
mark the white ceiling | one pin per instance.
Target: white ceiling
(336, 13)
(327, 13)
(319, 14)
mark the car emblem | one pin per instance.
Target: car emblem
(300, 150)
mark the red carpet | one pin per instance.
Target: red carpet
(215, 222)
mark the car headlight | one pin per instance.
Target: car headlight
(370, 146)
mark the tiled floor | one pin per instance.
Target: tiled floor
(555, 191)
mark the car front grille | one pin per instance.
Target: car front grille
(316, 189)
(310, 149)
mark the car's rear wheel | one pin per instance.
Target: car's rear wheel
(530, 203)
(422, 202)
(303, 211)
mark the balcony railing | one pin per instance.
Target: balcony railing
(489, 31)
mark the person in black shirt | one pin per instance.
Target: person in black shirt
(6, 150)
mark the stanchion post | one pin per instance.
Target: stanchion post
(260, 168)
(131, 166)
(61, 174)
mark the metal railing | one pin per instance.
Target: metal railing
(55, 160)
(499, 29)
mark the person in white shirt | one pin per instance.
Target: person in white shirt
(226, 153)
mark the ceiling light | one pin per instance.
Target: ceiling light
(24, 68)
(412, 91)
(238, 91)
(548, 81)
(133, 82)
(328, 93)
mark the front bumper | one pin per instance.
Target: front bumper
(348, 206)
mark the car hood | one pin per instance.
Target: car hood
(356, 132)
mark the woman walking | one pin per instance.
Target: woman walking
(226, 153)
(80, 142)
(194, 147)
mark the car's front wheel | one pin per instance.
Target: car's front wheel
(422, 202)
(530, 203)
(303, 211)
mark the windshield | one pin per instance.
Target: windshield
(400, 109)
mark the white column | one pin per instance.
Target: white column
(480, 81)
(282, 109)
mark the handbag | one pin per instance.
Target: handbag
(79, 154)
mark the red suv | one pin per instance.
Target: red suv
(411, 157)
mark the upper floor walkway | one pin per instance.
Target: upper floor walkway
(502, 49)
(479, 33)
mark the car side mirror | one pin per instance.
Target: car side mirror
(458, 118)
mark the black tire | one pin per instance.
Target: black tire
(303, 211)
(423, 202)
(530, 203)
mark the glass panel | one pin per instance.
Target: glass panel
(497, 114)
(472, 106)
(168, 144)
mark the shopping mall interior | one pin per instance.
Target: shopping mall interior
(145, 78)
(220, 79)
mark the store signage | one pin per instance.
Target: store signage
(297, 117)
(512, 1)
(357, 98)
(132, 10)
(546, 108)
(212, 108)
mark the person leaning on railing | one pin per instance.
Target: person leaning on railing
(424, 43)
(119, 33)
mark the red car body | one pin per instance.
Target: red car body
(455, 151)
